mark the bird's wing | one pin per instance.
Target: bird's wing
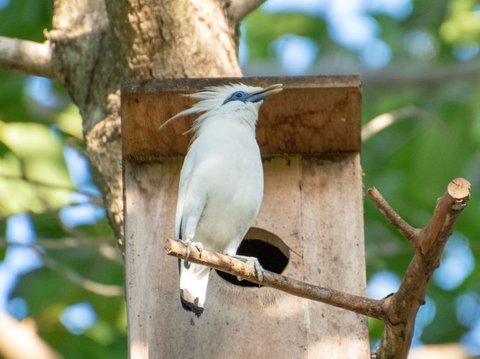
(192, 198)
(179, 212)
(185, 176)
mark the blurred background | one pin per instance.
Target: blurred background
(420, 68)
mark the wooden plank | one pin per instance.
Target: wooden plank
(332, 231)
(151, 278)
(313, 115)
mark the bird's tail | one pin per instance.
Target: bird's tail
(193, 287)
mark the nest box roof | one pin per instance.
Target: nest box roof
(312, 115)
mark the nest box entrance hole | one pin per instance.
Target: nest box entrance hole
(272, 253)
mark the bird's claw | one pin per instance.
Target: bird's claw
(189, 245)
(255, 263)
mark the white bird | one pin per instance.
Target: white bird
(221, 182)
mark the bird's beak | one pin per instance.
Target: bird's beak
(261, 95)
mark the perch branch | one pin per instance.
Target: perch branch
(370, 307)
(238, 9)
(29, 57)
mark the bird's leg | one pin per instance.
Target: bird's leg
(189, 243)
(253, 261)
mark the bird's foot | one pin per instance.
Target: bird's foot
(253, 261)
(189, 245)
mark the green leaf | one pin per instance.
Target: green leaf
(33, 169)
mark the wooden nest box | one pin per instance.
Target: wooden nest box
(310, 225)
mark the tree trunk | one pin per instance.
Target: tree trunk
(96, 45)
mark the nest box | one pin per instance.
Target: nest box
(310, 225)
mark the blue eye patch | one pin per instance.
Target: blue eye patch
(238, 96)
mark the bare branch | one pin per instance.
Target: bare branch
(238, 9)
(31, 58)
(370, 307)
(398, 75)
(18, 339)
(96, 199)
(385, 120)
(64, 243)
(106, 290)
(406, 75)
(402, 307)
(393, 217)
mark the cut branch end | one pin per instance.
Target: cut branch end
(459, 190)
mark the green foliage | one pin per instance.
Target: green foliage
(462, 25)
(48, 292)
(263, 29)
(31, 154)
(26, 19)
(32, 167)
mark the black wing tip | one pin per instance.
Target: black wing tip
(190, 307)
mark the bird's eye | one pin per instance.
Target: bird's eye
(237, 96)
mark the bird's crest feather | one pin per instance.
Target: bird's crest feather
(209, 99)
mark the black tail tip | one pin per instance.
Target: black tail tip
(188, 306)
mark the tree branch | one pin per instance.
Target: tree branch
(94, 198)
(398, 311)
(407, 75)
(31, 58)
(402, 307)
(393, 217)
(18, 339)
(105, 290)
(370, 307)
(385, 120)
(64, 243)
(398, 75)
(237, 10)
